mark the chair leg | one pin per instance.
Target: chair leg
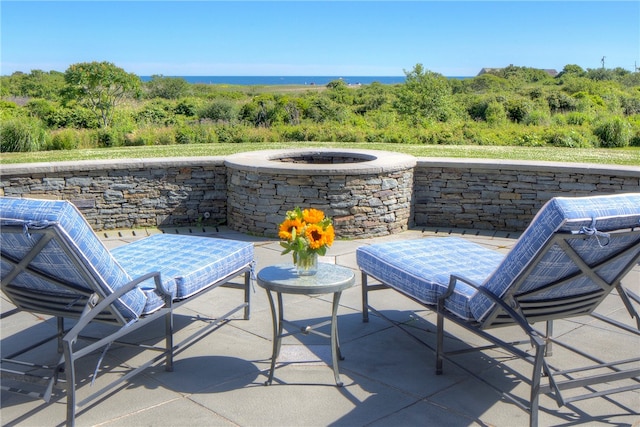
(168, 326)
(535, 384)
(365, 299)
(549, 348)
(60, 333)
(439, 341)
(70, 374)
(247, 295)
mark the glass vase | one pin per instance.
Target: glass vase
(307, 264)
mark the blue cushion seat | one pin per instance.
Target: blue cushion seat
(421, 268)
(53, 261)
(187, 264)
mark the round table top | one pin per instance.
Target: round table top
(283, 278)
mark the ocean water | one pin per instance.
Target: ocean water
(287, 80)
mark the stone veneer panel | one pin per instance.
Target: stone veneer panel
(463, 193)
(506, 195)
(128, 193)
(367, 193)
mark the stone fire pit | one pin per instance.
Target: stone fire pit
(367, 193)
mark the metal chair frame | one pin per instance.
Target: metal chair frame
(96, 306)
(522, 311)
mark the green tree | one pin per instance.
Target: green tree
(100, 86)
(571, 70)
(167, 87)
(425, 95)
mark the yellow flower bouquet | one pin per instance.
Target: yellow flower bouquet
(306, 234)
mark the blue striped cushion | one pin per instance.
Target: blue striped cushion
(422, 267)
(188, 264)
(566, 214)
(52, 260)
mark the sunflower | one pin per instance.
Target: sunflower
(329, 234)
(312, 216)
(315, 236)
(288, 226)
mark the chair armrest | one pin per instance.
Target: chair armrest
(94, 311)
(536, 339)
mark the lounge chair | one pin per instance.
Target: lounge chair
(54, 264)
(572, 255)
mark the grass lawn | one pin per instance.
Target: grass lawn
(626, 156)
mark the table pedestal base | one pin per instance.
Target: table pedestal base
(279, 321)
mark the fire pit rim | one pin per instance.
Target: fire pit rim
(373, 161)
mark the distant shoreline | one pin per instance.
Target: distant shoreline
(292, 80)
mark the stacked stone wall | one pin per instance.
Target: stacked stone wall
(364, 205)
(128, 194)
(458, 193)
(500, 195)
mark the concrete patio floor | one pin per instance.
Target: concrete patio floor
(388, 374)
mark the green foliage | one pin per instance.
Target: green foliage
(150, 136)
(220, 110)
(571, 70)
(486, 83)
(36, 84)
(537, 117)
(100, 86)
(425, 95)
(569, 138)
(578, 118)
(560, 102)
(613, 132)
(630, 104)
(167, 87)
(323, 109)
(156, 112)
(495, 114)
(23, 134)
(109, 137)
(515, 106)
(64, 139)
(522, 74)
(187, 107)
(518, 108)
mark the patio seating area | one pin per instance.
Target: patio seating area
(388, 374)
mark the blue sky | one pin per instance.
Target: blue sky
(361, 38)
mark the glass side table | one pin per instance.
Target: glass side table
(283, 279)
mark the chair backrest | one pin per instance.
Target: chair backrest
(569, 258)
(52, 261)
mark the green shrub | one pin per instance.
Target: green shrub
(187, 107)
(205, 133)
(156, 112)
(569, 138)
(537, 118)
(634, 121)
(185, 135)
(229, 133)
(578, 118)
(22, 135)
(110, 137)
(613, 132)
(64, 139)
(292, 133)
(630, 105)
(80, 118)
(495, 113)
(518, 108)
(151, 136)
(220, 110)
(46, 111)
